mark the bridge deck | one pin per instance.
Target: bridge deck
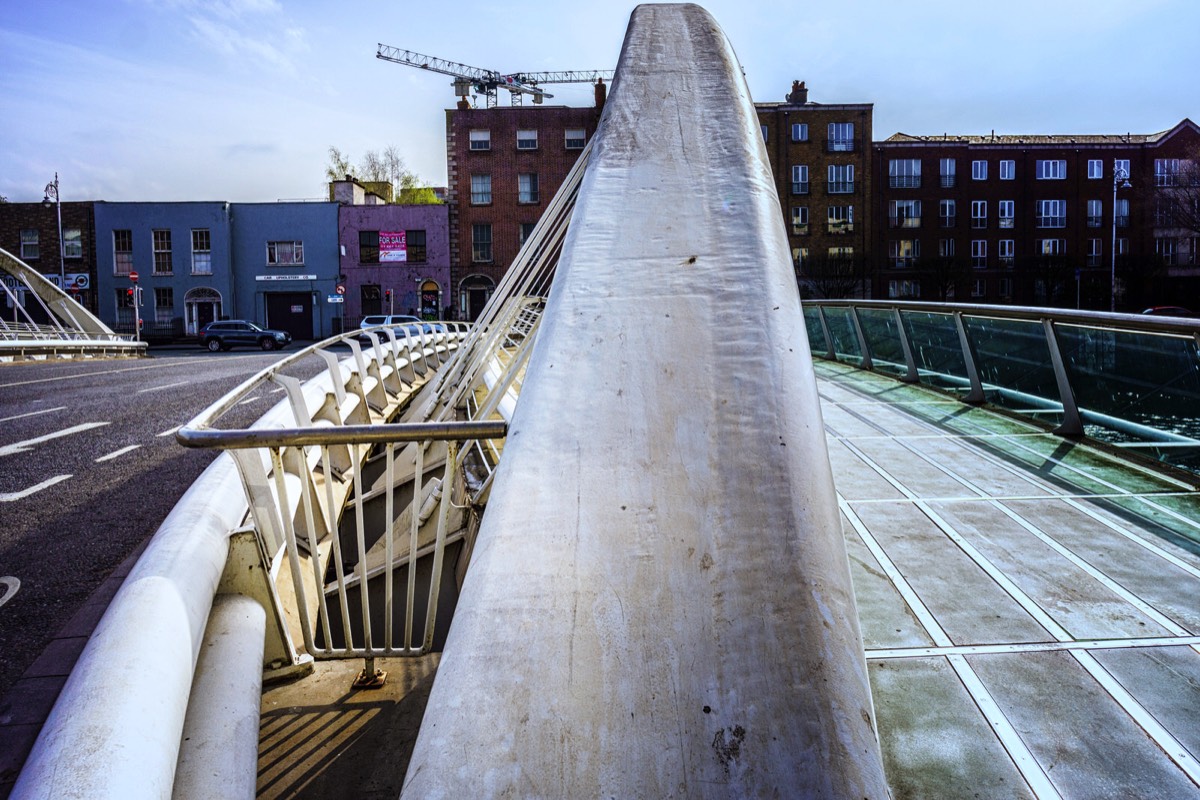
(1030, 610)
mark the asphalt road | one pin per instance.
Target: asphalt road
(88, 470)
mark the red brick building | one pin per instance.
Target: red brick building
(1029, 220)
(504, 165)
(821, 157)
(30, 232)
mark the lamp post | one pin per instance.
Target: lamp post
(52, 192)
(1120, 180)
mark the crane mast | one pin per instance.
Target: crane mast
(486, 81)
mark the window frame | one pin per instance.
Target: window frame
(979, 170)
(528, 193)
(1008, 169)
(575, 142)
(836, 139)
(480, 143)
(1051, 169)
(415, 246)
(1009, 220)
(799, 132)
(481, 194)
(201, 256)
(835, 186)
(1095, 169)
(122, 257)
(979, 254)
(31, 246)
(480, 255)
(295, 246)
(800, 184)
(523, 139)
(160, 247)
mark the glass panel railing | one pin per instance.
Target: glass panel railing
(1014, 365)
(883, 340)
(841, 331)
(936, 349)
(816, 336)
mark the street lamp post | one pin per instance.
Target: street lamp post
(52, 192)
(1120, 180)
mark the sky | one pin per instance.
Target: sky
(240, 100)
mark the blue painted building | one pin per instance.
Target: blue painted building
(181, 253)
(285, 261)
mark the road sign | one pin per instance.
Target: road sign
(132, 276)
(341, 289)
(334, 298)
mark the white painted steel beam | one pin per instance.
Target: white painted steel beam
(659, 602)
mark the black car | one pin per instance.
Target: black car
(230, 333)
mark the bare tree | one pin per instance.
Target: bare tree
(339, 165)
(1177, 196)
(380, 167)
(827, 277)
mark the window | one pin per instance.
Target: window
(1051, 247)
(799, 220)
(527, 187)
(1052, 213)
(1094, 252)
(29, 244)
(1122, 213)
(72, 243)
(162, 252)
(904, 173)
(948, 168)
(799, 131)
(979, 170)
(527, 140)
(368, 247)
(1006, 253)
(415, 243)
(1095, 169)
(1095, 213)
(1166, 250)
(201, 252)
(1121, 166)
(1163, 214)
(1005, 288)
(164, 304)
(800, 179)
(481, 190)
(1122, 247)
(979, 287)
(1008, 170)
(905, 214)
(122, 252)
(481, 242)
(1166, 171)
(840, 219)
(481, 140)
(799, 256)
(979, 253)
(947, 213)
(576, 138)
(1051, 170)
(526, 230)
(763, 128)
(979, 213)
(904, 289)
(285, 254)
(1007, 213)
(841, 137)
(841, 253)
(946, 248)
(841, 179)
(904, 252)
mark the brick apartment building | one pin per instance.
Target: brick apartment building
(1029, 220)
(504, 165)
(821, 158)
(30, 232)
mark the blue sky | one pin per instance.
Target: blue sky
(240, 99)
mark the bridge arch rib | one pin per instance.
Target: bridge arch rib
(659, 603)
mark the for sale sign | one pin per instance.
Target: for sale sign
(393, 247)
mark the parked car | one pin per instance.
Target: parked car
(1169, 311)
(231, 333)
(400, 323)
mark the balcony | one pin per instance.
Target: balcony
(799, 228)
(1122, 221)
(841, 187)
(904, 181)
(948, 221)
(799, 187)
(1007, 223)
(1052, 222)
(949, 181)
(979, 223)
(1094, 222)
(902, 221)
(839, 227)
(841, 146)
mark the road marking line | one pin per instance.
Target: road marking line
(25, 446)
(251, 400)
(8, 497)
(13, 585)
(170, 431)
(76, 376)
(116, 453)
(160, 388)
(33, 413)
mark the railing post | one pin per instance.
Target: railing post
(1071, 425)
(975, 395)
(866, 363)
(905, 345)
(829, 353)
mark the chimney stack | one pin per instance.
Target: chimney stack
(601, 94)
(799, 94)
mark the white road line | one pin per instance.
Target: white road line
(169, 431)
(160, 388)
(118, 453)
(8, 497)
(25, 446)
(13, 585)
(33, 413)
(78, 375)
(1033, 647)
(250, 400)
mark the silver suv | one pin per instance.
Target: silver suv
(400, 323)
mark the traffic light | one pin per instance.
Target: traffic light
(129, 292)
(387, 295)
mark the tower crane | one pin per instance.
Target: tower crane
(487, 81)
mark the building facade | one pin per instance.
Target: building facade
(820, 155)
(30, 232)
(504, 165)
(1034, 219)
